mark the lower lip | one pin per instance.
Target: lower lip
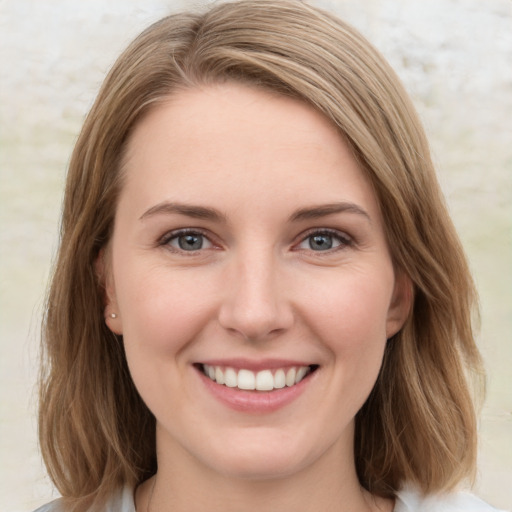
(256, 402)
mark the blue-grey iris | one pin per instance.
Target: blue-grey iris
(320, 242)
(190, 242)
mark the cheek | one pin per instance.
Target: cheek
(349, 318)
(162, 312)
(161, 318)
(351, 310)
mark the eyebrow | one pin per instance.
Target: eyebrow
(197, 212)
(202, 212)
(317, 212)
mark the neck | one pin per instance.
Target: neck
(329, 484)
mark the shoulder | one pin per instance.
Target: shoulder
(121, 501)
(410, 500)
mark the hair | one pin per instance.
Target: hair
(418, 424)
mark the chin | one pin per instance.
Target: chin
(259, 467)
(260, 459)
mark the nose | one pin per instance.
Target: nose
(255, 305)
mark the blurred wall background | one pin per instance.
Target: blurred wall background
(455, 57)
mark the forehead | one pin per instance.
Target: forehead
(240, 113)
(216, 142)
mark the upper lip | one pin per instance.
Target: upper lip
(253, 365)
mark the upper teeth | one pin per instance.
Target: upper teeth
(264, 380)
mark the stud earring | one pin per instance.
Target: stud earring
(113, 315)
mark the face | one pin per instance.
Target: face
(252, 282)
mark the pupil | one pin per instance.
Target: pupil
(190, 242)
(320, 242)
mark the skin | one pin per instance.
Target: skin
(257, 289)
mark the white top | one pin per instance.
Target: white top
(408, 500)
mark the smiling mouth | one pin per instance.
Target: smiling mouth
(264, 380)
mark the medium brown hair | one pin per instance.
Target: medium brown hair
(418, 425)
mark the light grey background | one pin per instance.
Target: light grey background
(455, 57)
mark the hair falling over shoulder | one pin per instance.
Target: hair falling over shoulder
(419, 423)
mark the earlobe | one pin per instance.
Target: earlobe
(113, 321)
(108, 292)
(401, 303)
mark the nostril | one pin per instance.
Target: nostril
(253, 309)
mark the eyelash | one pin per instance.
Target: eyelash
(343, 239)
(175, 235)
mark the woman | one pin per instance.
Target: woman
(259, 300)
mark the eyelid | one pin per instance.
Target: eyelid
(345, 239)
(164, 240)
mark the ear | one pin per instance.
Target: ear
(105, 277)
(401, 303)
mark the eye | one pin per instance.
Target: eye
(187, 240)
(325, 241)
